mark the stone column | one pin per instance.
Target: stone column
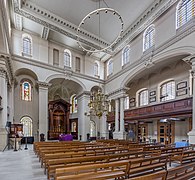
(103, 126)
(3, 110)
(83, 116)
(115, 134)
(11, 103)
(122, 134)
(43, 108)
(191, 134)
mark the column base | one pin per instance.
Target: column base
(3, 137)
(191, 136)
(119, 135)
(104, 135)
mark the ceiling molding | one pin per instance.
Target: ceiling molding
(55, 23)
(45, 33)
(18, 22)
(147, 18)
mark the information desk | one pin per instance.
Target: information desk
(181, 144)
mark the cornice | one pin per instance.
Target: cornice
(148, 17)
(147, 58)
(118, 93)
(43, 84)
(67, 72)
(82, 94)
(58, 24)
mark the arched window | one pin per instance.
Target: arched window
(143, 97)
(67, 58)
(96, 69)
(26, 91)
(26, 45)
(126, 103)
(167, 91)
(185, 10)
(109, 67)
(27, 125)
(148, 37)
(73, 101)
(125, 55)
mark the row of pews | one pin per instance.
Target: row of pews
(113, 159)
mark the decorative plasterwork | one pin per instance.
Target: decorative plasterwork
(59, 29)
(190, 60)
(43, 84)
(147, 18)
(45, 33)
(143, 22)
(18, 22)
(3, 73)
(182, 33)
(119, 93)
(83, 94)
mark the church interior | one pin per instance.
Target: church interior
(108, 79)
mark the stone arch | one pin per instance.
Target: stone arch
(61, 76)
(161, 57)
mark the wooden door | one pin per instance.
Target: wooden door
(142, 132)
(166, 132)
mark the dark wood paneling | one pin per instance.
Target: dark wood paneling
(173, 108)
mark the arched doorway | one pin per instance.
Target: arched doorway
(27, 126)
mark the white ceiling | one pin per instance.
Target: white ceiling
(72, 12)
(75, 10)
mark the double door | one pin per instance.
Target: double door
(166, 132)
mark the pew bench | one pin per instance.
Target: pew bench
(182, 157)
(160, 175)
(97, 171)
(71, 162)
(147, 165)
(182, 172)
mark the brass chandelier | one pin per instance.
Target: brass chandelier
(99, 104)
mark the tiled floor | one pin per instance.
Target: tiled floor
(20, 165)
(23, 165)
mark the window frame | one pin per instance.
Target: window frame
(67, 59)
(27, 45)
(149, 38)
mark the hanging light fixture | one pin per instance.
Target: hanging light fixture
(99, 103)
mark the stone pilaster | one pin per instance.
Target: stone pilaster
(3, 111)
(43, 108)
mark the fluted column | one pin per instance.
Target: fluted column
(43, 108)
(3, 110)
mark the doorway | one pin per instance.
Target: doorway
(166, 132)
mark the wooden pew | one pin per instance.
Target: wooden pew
(102, 171)
(142, 166)
(71, 162)
(183, 172)
(160, 175)
(182, 157)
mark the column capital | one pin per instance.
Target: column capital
(84, 93)
(43, 84)
(190, 60)
(3, 73)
